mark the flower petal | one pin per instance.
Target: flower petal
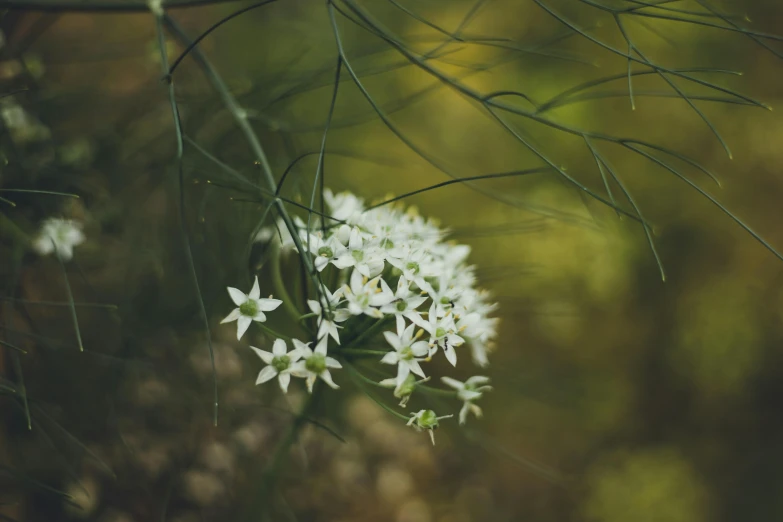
(267, 305)
(321, 346)
(255, 292)
(284, 379)
(279, 348)
(333, 363)
(454, 383)
(267, 374)
(327, 378)
(451, 354)
(265, 356)
(393, 339)
(260, 317)
(415, 368)
(463, 413)
(477, 380)
(243, 323)
(233, 316)
(314, 306)
(237, 295)
(390, 358)
(420, 348)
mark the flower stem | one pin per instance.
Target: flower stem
(280, 289)
(367, 334)
(273, 333)
(436, 391)
(361, 380)
(356, 351)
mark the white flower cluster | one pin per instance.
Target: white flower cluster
(381, 270)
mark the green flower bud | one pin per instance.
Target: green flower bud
(406, 388)
(428, 420)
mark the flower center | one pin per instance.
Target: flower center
(325, 251)
(406, 354)
(440, 332)
(248, 308)
(401, 306)
(413, 267)
(387, 244)
(358, 255)
(281, 363)
(316, 363)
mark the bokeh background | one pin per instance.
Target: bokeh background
(617, 396)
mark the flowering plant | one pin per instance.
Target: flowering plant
(389, 288)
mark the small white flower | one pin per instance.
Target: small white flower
(426, 420)
(442, 332)
(249, 308)
(414, 265)
(328, 319)
(315, 364)
(324, 251)
(407, 353)
(279, 361)
(364, 297)
(365, 258)
(468, 392)
(60, 235)
(405, 303)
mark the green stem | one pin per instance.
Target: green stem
(360, 379)
(277, 280)
(273, 333)
(368, 333)
(436, 391)
(356, 351)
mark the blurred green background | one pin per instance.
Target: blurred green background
(617, 396)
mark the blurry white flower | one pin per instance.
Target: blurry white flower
(279, 361)
(426, 420)
(407, 353)
(249, 308)
(59, 234)
(315, 364)
(345, 206)
(468, 392)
